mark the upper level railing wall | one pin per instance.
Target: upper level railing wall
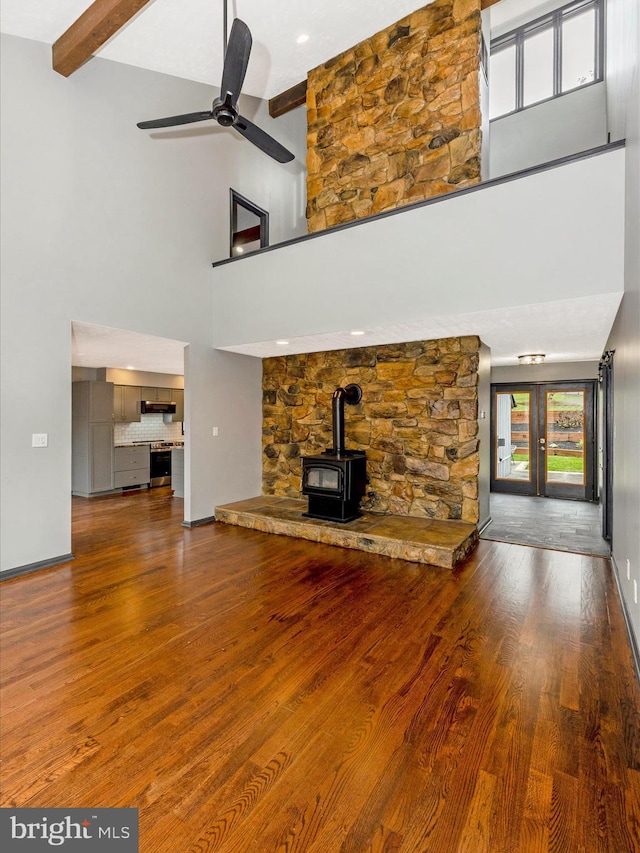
(550, 233)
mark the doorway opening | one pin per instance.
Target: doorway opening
(128, 410)
(249, 226)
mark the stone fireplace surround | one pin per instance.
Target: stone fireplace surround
(417, 422)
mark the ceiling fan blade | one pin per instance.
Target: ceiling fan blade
(262, 139)
(235, 61)
(172, 121)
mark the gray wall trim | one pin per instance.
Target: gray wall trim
(199, 521)
(635, 651)
(484, 525)
(35, 567)
(492, 182)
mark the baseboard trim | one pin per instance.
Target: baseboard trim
(199, 521)
(635, 652)
(482, 529)
(29, 568)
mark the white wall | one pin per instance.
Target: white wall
(432, 262)
(559, 371)
(624, 19)
(484, 434)
(229, 388)
(103, 223)
(557, 128)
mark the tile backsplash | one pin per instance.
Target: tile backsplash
(151, 427)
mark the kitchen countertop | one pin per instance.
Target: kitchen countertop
(169, 445)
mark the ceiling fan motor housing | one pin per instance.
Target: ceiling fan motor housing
(226, 117)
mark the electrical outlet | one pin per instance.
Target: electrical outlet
(39, 439)
(215, 431)
(628, 569)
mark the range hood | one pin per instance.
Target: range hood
(150, 407)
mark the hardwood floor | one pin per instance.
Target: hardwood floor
(250, 692)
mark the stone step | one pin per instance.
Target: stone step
(419, 540)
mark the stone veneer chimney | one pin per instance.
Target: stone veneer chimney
(396, 119)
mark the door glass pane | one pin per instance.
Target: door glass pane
(578, 49)
(502, 81)
(565, 437)
(538, 67)
(513, 436)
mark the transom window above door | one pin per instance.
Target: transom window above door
(548, 57)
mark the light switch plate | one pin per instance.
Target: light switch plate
(39, 439)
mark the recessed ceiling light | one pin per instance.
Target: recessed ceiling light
(302, 38)
(130, 367)
(283, 343)
(239, 250)
(357, 332)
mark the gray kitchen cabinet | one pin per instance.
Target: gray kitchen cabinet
(157, 395)
(177, 471)
(91, 438)
(131, 466)
(126, 403)
(177, 397)
(101, 457)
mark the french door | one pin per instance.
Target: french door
(543, 439)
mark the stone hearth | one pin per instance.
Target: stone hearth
(418, 540)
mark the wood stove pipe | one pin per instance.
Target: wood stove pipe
(351, 394)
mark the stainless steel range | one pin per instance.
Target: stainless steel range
(161, 462)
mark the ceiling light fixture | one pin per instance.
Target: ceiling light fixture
(357, 332)
(533, 358)
(302, 38)
(283, 343)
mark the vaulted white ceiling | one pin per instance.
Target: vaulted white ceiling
(184, 38)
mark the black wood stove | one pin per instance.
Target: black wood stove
(335, 481)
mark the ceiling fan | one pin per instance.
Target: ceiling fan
(224, 109)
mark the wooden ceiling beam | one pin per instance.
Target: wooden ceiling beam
(289, 100)
(92, 29)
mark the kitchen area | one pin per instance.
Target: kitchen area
(126, 435)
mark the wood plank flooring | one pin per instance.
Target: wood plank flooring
(260, 694)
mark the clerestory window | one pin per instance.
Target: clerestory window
(554, 54)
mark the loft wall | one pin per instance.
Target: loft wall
(417, 422)
(409, 271)
(557, 128)
(396, 118)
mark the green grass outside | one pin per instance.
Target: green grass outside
(559, 401)
(557, 463)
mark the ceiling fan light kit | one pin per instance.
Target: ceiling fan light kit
(533, 358)
(224, 109)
